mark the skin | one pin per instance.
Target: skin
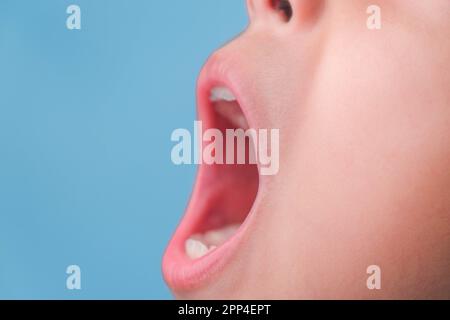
(364, 118)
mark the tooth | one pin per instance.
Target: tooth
(217, 237)
(222, 93)
(195, 249)
(199, 245)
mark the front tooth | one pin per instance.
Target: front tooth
(195, 249)
(222, 93)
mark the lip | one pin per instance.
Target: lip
(180, 272)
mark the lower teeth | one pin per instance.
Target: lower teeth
(199, 245)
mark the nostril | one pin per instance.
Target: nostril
(284, 8)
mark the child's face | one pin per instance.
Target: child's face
(364, 179)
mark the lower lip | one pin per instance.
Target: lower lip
(182, 273)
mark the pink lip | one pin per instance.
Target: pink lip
(180, 272)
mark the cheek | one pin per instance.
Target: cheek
(377, 113)
(367, 165)
(375, 129)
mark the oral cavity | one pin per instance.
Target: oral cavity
(200, 245)
(227, 106)
(242, 181)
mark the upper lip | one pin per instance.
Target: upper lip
(222, 72)
(179, 271)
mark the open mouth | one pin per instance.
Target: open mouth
(233, 186)
(222, 199)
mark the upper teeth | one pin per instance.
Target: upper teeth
(199, 245)
(222, 93)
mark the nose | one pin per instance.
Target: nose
(257, 8)
(260, 10)
(294, 12)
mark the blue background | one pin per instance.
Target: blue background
(85, 124)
